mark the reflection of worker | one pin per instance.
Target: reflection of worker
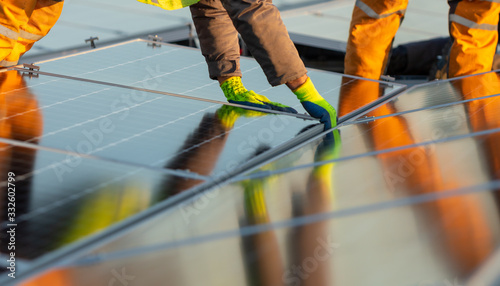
(22, 23)
(462, 230)
(259, 23)
(483, 115)
(20, 119)
(473, 27)
(263, 257)
(202, 148)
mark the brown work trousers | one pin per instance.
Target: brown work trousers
(259, 23)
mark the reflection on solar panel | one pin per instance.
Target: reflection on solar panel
(186, 189)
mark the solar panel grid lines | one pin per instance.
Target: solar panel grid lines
(139, 132)
(301, 116)
(36, 182)
(76, 156)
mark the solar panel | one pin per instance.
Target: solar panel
(283, 218)
(439, 193)
(387, 176)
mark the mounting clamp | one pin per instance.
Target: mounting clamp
(32, 70)
(92, 41)
(154, 39)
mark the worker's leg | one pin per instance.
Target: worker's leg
(219, 45)
(13, 14)
(218, 38)
(373, 27)
(261, 27)
(42, 19)
(473, 28)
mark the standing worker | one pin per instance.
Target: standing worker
(22, 23)
(473, 29)
(259, 23)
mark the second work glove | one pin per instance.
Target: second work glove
(316, 105)
(235, 92)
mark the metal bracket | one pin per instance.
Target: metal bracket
(193, 37)
(387, 78)
(154, 39)
(32, 70)
(92, 41)
(365, 119)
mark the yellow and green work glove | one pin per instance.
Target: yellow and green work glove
(235, 92)
(316, 105)
(170, 4)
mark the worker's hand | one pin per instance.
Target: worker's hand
(322, 110)
(316, 105)
(235, 92)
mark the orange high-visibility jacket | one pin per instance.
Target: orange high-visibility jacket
(22, 23)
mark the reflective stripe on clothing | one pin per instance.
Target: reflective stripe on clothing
(8, 33)
(369, 11)
(41, 19)
(29, 36)
(471, 24)
(7, 63)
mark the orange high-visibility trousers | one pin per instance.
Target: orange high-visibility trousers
(374, 24)
(22, 23)
(473, 27)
